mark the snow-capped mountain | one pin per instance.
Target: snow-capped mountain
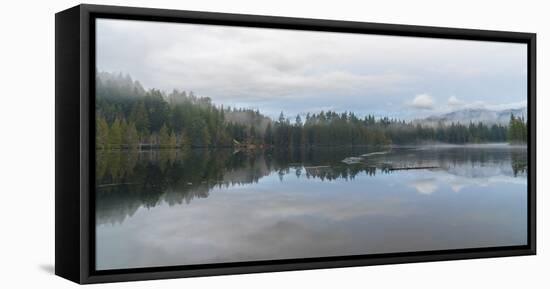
(476, 115)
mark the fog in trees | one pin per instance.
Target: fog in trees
(130, 117)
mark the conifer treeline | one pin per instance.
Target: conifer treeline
(128, 116)
(517, 130)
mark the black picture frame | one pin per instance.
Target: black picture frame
(75, 134)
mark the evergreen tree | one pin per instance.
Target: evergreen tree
(140, 118)
(131, 137)
(517, 130)
(164, 137)
(102, 133)
(268, 136)
(172, 142)
(115, 134)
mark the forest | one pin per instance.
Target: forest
(130, 117)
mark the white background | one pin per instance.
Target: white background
(27, 144)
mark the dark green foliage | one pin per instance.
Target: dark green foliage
(130, 117)
(456, 133)
(164, 137)
(335, 129)
(517, 130)
(102, 133)
(140, 117)
(131, 136)
(115, 134)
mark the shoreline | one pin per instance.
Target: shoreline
(391, 146)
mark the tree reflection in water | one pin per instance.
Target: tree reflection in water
(127, 180)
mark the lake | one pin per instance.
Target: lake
(197, 206)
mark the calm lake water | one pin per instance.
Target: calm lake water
(171, 207)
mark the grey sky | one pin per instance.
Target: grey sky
(277, 70)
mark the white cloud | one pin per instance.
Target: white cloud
(289, 70)
(454, 102)
(423, 101)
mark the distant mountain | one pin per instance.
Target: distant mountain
(476, 115)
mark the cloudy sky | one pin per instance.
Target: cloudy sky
(276, 70)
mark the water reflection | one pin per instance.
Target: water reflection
(127, 180)
(169, 207)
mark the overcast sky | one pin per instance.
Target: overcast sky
(276, 70)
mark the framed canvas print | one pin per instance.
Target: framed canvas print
(194, 143)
